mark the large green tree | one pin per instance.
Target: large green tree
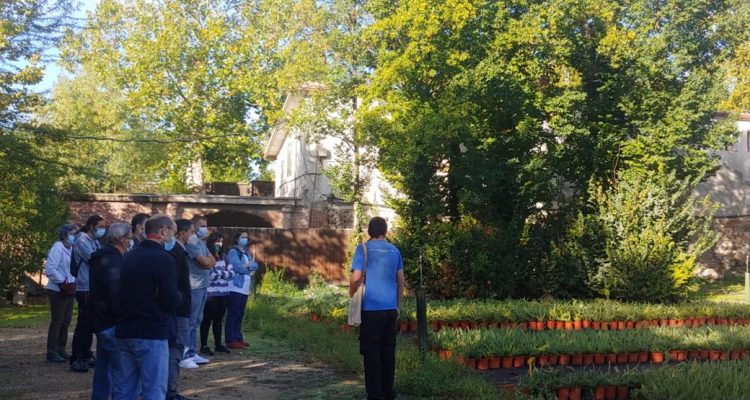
(179, 70)
(30, 206)
(499, 116)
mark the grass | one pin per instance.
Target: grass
(37, 312)
(730, 288)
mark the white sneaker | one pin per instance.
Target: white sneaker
(200, 360)
(188, 363)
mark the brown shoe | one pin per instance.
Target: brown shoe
(235, 345)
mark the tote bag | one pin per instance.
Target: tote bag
(355, 303)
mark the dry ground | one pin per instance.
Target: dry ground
(24, 374)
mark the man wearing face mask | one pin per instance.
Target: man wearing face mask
(177, 347)
(149, 278)
(83, 337)
(200, 263)
(106, 266)
(138, 227)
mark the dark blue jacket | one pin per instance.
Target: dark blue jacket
(148, 293)
(104, 286)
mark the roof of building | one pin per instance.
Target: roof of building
(281, 129)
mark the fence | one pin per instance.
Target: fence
(299, 251)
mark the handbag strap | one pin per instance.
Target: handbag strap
(364, 267)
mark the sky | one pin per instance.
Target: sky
(53, 71)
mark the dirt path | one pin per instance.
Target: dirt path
(25, 375)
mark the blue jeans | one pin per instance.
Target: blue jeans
(235, 314)
(197, 302)
(108, 357)
(143, 367)
(176, 353)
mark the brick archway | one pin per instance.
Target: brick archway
(227, 218)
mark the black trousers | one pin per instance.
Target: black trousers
(83, 336)
(61, 312)
(213, 314)
(377, 344)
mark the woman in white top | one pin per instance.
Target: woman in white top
(243, 266)
(57, 269)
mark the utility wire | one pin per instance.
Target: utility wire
(162, 141)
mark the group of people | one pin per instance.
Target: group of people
(146, 290)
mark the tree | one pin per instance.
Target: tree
(320, 44)
(179, 67)
(499, 115)
(30, 207)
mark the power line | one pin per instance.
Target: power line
(161, 141)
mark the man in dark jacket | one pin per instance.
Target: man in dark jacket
(178, 346)
(148, 297)
(104, 287)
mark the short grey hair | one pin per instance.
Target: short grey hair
(116, 233)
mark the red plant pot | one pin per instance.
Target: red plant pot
(506, 362)
(575, 393)
(623, 392)
(663, 322)
(629, 324)
(494, 362)
(463, 324)
(610, 392)
(622, 358)
(554, 360)
(483, 364)
(612, 358)
(403, 326)
(470, 362)
(413, 326)
(454, 324)
(657, 357)
(620, 325)
(643, 357)
(633, 358)
(694, 355)
(689, 322)
(543, 360)
(745, 354)
(523, 325)
(577, 325)
(588, 359)
(564, 359)
(563, 393)
(585, 324)
(576, 360)
(435, 325)
(532, 325)
(723, 322)
(539, 326)
(600, 393)
(672, 322)
(703, 355)
(596, 325)
(612, 325)
(518, 361)
(460, 359)
(600, 358)
(472, 324)
(646, 323)
(568, 325)
(680, 323)
(735, 355)
(314, 316)
(673, 355)
(714, 355)
(681, 355)
(550, 325)
(559, 325)
(638, 325)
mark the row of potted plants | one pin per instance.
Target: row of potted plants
(488, 343)
(555, 312)
(682, 381)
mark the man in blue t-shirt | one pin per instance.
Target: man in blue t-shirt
(379, 266)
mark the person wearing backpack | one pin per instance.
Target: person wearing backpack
(377, 264)
(83, 337)
(61, 290)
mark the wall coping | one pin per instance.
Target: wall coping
(189, 199)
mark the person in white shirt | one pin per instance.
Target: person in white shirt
(57, 269)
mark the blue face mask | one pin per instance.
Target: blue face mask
(99, 233)
(202, 232)
(71, 239)
(243, 242)
(168, 246)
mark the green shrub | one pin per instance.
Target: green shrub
(648, 231)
